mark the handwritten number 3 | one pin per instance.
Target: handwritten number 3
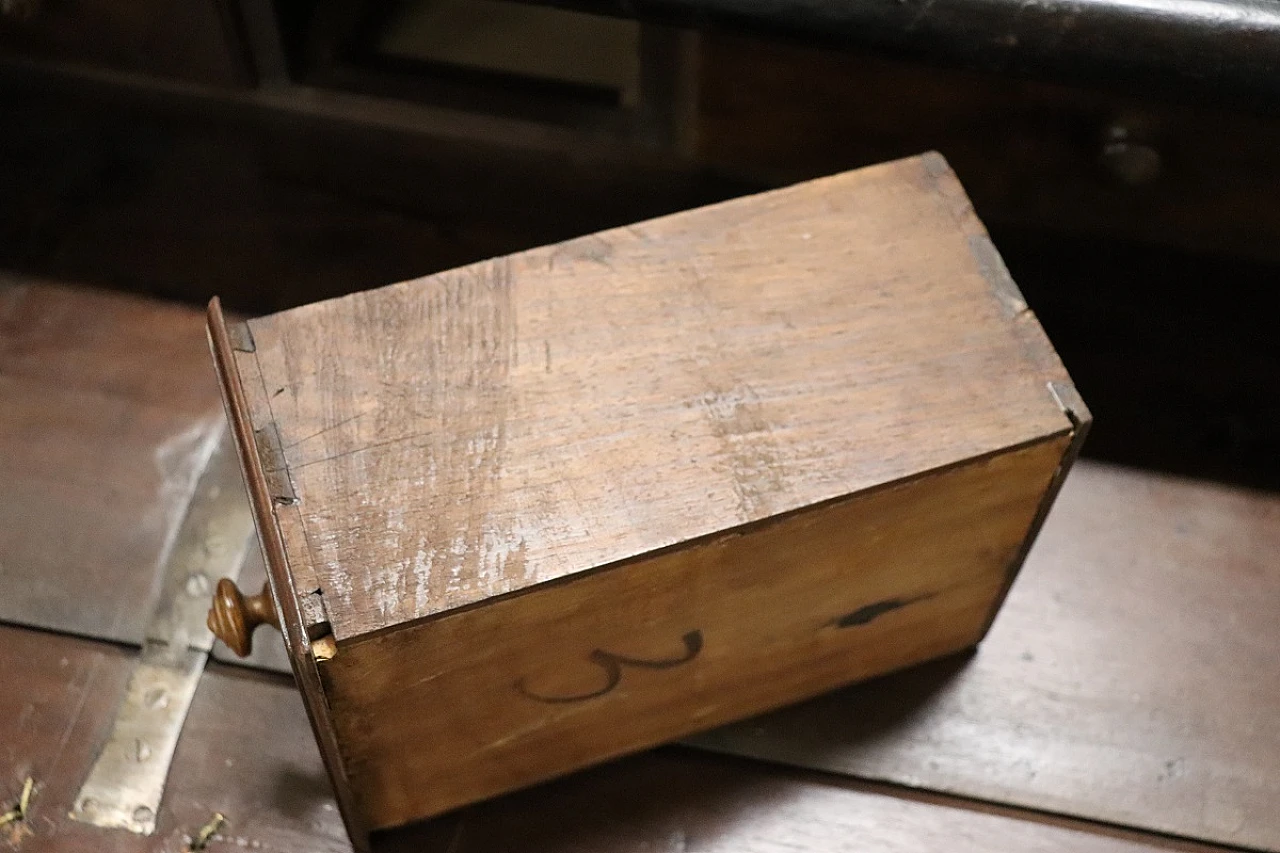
(612, 665)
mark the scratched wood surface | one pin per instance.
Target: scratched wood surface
(246, 753)
(480, 431)
(1133, 675)
(107, 408)
(534, 686)
(56, 704)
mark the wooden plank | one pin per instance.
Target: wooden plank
(513, 422)
(534, 686)
(246, 753)
(674, 801)
(1131, 676)
(108, 408)
(56, 706)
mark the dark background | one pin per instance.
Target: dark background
(282, 156)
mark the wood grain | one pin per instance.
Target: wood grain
(56, 706)
(674, 801)
(533, 686)
(247, 754)
(1131, 676)
(485, 430)
(108, 407)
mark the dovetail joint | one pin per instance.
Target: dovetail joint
(1070, 402)
(274, 468)
(241, 337)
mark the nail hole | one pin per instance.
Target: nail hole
(197, 585)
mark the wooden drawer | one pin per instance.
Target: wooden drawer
(193, 40)
(610, 492)
(1123, 555)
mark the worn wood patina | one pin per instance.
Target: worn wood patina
(537, 512)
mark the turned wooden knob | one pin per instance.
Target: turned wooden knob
(234, 616)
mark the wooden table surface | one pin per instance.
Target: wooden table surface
(1133, 675)
(247, 752)
(107, 407)
(1128, 693)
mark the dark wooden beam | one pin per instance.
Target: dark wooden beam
(1224, 49)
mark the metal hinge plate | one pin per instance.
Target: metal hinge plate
(126, 783)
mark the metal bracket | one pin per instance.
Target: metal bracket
(126, 783)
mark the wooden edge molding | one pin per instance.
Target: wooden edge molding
(289, 611)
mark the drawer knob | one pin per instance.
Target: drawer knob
(234, 616)
(1128, 158)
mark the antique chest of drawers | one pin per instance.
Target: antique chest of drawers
(533, 513)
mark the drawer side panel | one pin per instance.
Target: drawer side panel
(503, 695)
